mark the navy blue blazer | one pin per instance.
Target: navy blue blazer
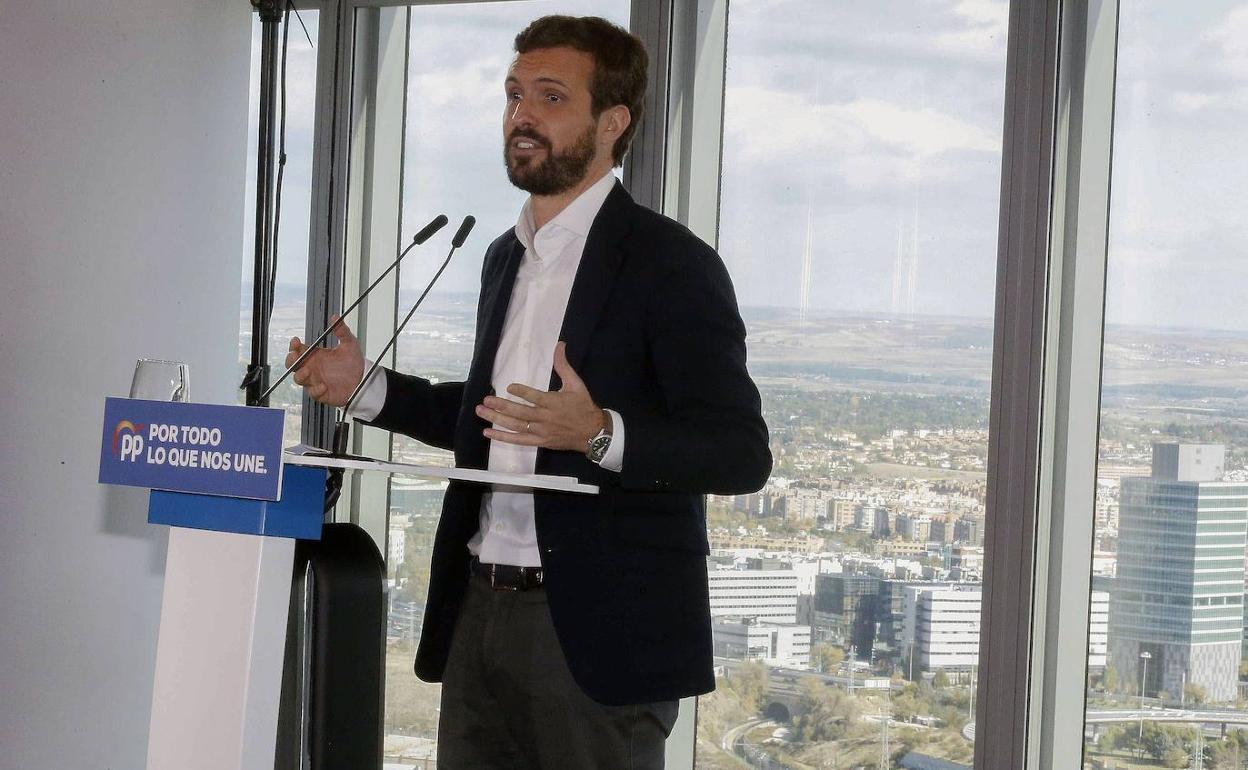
(653, 329)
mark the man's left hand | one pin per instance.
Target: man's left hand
(563, 419)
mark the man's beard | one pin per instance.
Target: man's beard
(558, 172)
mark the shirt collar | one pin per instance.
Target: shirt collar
(576, 217)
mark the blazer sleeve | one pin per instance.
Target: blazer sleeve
(710, 436)
(418, 408)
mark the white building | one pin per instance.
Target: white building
(776, 644)
(942, 621)
(941, 626)
(766, 595)
(396, 541)
(1098, 630)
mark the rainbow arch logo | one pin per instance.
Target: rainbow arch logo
(124, 425)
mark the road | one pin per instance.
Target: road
(734, 742)
(1189, 716)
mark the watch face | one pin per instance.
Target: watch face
(598, 447)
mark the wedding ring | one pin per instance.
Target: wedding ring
(528, 427)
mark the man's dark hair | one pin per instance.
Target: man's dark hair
(619, 63)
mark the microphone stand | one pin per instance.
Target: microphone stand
(257, 376)
(425, 234)
(342, 428)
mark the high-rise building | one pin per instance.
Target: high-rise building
(845, 611)
(890, 620)
(941, 627)
(1176, 615)
(841, 513)
(917, 527)
(967, 530)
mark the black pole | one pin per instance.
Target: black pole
(256, 382)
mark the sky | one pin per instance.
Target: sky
(861, 159)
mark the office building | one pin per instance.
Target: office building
(764, 595)
(845, 611)
(776, 644)
(1176, 616)
(941, 627)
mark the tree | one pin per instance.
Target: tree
(906, 707)
(1111, 738)
(827, 658)
(1174, 757)
(1110, 682)
(828, 712)
(941, 680)
(750, 683)
(1194, 693)
(1162, 740)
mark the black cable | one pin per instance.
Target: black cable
(305, 27)
(281, 164)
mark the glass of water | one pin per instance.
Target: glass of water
(157, 380)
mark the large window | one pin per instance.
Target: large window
(1167, 629)
(858, 216)
(852, 164)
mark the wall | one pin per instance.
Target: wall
(123, 128)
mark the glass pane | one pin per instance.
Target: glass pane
(452, 163)
(289, 297)
(860, 181)
(1166, 648)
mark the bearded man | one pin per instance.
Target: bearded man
(564, 628)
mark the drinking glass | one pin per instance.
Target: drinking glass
(157, 380)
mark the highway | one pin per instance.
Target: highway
(1188, 716)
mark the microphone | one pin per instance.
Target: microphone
(461, 235)
(342, 428)
(425, 234)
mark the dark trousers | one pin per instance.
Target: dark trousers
(509, 701)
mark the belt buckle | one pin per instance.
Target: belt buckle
(494, 579)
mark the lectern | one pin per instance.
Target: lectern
(238, 505)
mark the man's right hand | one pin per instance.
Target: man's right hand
(329, 375)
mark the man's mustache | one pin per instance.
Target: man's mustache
(521, 133)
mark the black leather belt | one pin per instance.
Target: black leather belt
(507, 577)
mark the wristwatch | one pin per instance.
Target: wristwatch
(599, 444)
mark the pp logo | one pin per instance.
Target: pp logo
(128, 441)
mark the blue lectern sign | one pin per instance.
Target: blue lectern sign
(208, 449)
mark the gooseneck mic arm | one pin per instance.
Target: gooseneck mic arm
(460, 236)
(425, 234)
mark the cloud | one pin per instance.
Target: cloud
(868, 142)
(1203, 71)
(983, 36)
(1230, 40)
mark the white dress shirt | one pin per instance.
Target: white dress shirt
(526, 350)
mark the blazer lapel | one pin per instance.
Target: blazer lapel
(595, 276)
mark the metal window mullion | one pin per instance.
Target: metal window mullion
(374, 188)
(1017, 385)
(679, 169)
(356, 194)
(644, 174)
(331, 139)
(1070, 421)
(695, 116)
